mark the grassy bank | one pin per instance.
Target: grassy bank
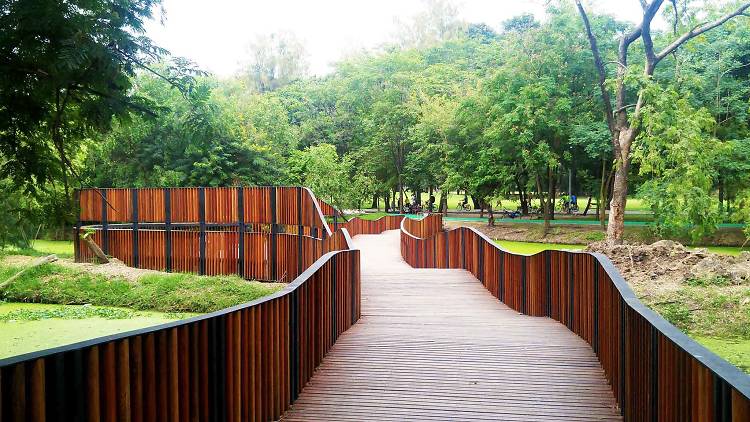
(158, 292)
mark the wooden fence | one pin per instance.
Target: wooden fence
(656, 371)
(357, 226)
(244, 363)
(264, 233)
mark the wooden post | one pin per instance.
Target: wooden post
(300, 231)
(134, 203)
(202, 233)
(273, 275)
(241, 231)
(168, 228)
(105, 225)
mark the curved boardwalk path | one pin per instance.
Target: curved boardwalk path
(433, 344)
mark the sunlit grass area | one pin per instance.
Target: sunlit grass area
(530, 248)
(61, 248)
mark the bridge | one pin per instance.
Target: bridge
(381, 320)
(432, 344)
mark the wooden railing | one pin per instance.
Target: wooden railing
(357, 226)
(264, 233)
(248, 362)
(656, 371)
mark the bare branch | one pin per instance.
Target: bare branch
(599, 67)
(625, 107)
(701, 29)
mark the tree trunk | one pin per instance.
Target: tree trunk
(588, 205)
(543, 204)
(551, 184)
(375, 202)
(443, 202)
(400, 193)
(616, 226)
(721, 197)
(491, 219)
(477, 203)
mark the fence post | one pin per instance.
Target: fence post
(241, 231)
(596, 306)
(447, 252)
(548, 284)
(77, 227)
(654, 376)
(202, 233)
(134, 203)
(354, 285)
(294, 344)
(105, 225)
(480, 259)
(333, 297)
(300, 231)
(623, 355)
(523, 285)
(273, 274)
(502, 276)
(463, 249)
(168, 228)
(571, 292)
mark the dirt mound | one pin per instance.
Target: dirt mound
(671, 263)
(115, 268)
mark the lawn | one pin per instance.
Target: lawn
(53, 305)
(530, 248)
(633, 204)
(28, 327)
(40, 247)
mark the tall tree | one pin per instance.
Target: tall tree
(623, 124)
(67, 69)
(275, 60)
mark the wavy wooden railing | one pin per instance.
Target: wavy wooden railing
(357, 226)
(656, 371)
(263, 233)
(248, 362)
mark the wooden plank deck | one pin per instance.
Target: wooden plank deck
(433, 344)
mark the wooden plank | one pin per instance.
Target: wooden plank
(434, 344)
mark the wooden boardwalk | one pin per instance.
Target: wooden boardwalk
(433, 344)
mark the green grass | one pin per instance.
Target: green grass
(724, 250)
(28, 327)
(530, 248)
(165, 293)
(734, 350)
(633, 204)
(41, 247)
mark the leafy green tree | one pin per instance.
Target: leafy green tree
(628, 88)
(678, 154)
(67, 70)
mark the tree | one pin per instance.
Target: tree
(275, 60)
(624, 125)
(67, 70)
(438, 22)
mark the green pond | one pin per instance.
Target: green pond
(28, 327)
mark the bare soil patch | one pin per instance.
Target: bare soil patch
(115, 268)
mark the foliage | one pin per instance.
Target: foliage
(67, 70)
(67, 312)
(678, 155)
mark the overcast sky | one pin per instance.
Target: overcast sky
(215, 33)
